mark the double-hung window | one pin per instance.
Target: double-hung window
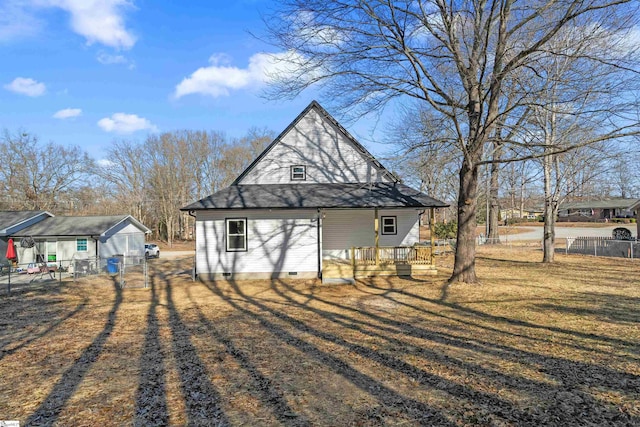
(298, 173)
(389, 225)
(236, 230)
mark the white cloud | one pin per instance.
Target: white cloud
(26, 86)
(67, 113)
(322, 36)
(105, 163)
(98, 21)
(109, 59)
(125, 123)
(219, 78)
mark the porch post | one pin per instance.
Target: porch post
(432, 221)
(376, 226)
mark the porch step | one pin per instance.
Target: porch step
(338, 280)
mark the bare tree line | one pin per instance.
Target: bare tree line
(499, 81)
(150, 179)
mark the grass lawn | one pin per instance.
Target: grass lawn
(532, 345)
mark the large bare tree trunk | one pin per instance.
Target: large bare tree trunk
(494, 206)
(464, 268)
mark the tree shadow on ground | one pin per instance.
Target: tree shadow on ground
(261, 386)
(394, 405)
(202, 400)
(49, 410)
(151, 396)
(31, 318)
(563, 400)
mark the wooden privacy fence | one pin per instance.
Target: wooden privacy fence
(603, 246)
(391, 255)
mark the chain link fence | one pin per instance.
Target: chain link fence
(127, 271)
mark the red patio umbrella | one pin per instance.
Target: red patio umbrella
(11, 250)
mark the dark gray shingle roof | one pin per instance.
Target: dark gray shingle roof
(10, 218)
(311, 196)
(73, 226)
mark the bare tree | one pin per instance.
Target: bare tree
(425, 156)
(575, 103)
(456, 57)
(35, 175)
(126, 172)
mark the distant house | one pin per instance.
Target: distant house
(315, 203)
(529, 213)
(13, 221)
(598, 210)
(58, 239)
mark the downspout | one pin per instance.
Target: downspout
(194, 274)
(376, 226)
(319, 239)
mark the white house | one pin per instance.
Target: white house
(315, 203)
(60, 239)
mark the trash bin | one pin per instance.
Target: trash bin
(112, 265)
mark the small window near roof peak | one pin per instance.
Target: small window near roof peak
(298, 173)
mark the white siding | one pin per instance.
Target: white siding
(328, 155)
(343, 229)
(277, 241)
(66, 249)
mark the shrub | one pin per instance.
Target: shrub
(446, 230)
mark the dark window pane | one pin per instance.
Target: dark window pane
(236, 242)
(236, 227)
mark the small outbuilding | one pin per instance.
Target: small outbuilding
(64, 238)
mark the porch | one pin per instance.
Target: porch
(380, 261)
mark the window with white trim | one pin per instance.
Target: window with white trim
(81, 245)
(236, 231)
(52, 247)
(298, 173)
(389, 225)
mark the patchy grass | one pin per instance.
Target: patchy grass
(532, 345)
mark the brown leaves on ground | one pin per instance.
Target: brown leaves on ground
(533, 345)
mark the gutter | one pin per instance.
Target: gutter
(319, 240)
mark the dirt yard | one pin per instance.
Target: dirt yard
(532, 345)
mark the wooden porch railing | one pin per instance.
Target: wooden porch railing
(391, 255)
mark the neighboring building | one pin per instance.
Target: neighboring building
(598, 210)
(301, 207)
(13, 221)
(526, 213)
(60, 239)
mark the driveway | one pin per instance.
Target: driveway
(535, 233)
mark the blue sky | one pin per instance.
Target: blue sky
(87, 72)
